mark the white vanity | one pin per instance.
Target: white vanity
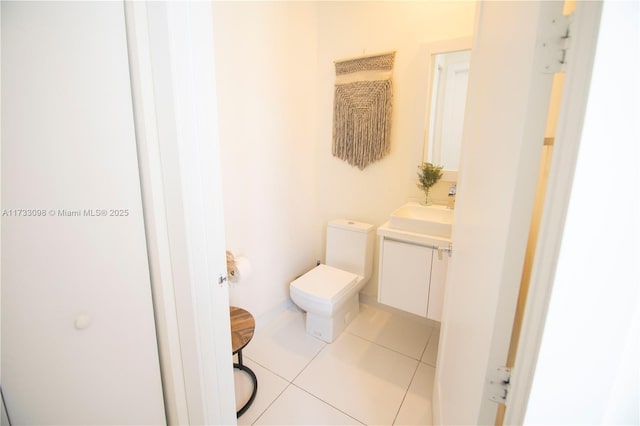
(416, 241)
(414, 254)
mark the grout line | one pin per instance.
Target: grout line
(268, 369)
(300, 372)
(310, 361)
(406, 393)
(328, 403)
(432, 328)
(425, 346)
(271, 403)
(429, 365)
(425, 349)
(385, 347)
(291, 382)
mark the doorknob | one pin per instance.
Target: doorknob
(82, 321)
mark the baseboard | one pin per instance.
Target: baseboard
(270, 314)
(365, 299)
(435, 404)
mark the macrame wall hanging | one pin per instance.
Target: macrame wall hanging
(362, 109)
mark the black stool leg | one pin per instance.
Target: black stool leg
(240, 366)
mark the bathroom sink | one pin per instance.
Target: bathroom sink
(432, 220)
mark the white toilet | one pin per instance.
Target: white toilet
(329, 292)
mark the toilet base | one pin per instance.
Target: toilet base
(329, 328)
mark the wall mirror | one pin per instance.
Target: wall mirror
(447, 77)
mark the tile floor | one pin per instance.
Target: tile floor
(379, 371)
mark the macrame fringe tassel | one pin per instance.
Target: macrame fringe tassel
(362, 113)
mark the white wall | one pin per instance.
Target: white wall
(276, 80)
(349, 29)
(588, 369)
(266, 72)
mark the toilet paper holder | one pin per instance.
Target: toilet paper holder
(231, 265)
(237, 267)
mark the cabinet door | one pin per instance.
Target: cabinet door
(404, 278)
(436, 287)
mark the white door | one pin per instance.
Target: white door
(502, 142)
(596, 284)
(78, 335)
(171, 51)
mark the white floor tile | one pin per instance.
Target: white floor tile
(360, 378)
(397, 333)
(283, 346)
(270, 386)
(416, 408)
(297, 407)
(430, 354)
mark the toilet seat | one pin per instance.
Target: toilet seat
(323, 287)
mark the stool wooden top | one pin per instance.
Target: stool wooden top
(242, 328)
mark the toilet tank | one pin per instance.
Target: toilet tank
(350, 246)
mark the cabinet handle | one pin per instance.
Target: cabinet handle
(448, 250)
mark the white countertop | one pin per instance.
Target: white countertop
(412, 237)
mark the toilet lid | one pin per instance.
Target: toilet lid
(325, 282)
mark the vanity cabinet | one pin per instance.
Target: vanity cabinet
(412, 277)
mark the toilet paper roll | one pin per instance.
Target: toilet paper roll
(241, 269)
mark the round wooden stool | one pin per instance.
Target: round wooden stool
(242, 327)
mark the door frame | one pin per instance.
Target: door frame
(585, 23)
(184, 17)
(581, 53)
(171, 56)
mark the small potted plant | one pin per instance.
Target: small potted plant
(428, 175)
